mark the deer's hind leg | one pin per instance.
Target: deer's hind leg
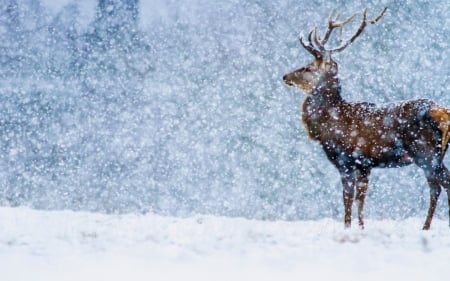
(445, 183)
(441, 116)
(438, 178)
(435, 191)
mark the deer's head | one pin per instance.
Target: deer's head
(323, 69)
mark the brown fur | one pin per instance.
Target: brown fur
(441, 116)
(357, 137)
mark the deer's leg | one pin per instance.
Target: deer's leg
(439, 178)
(445, 183)
(435, 190)
(448, 197)
(361, 190)
(447, 189)
(348, 182)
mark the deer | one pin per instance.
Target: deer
(359, 136)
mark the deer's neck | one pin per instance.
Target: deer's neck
(320, 104)
(327, 92)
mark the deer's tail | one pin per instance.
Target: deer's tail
(441, 116)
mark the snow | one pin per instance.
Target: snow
(183, 109)
(168, 135)
(65, 245)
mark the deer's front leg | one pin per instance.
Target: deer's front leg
(348, 194)
(362, 184)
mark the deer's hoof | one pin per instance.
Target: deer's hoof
(426, 227)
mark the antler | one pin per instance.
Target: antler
(320, 51)
(310, 47)
(331, 26)
(360, 30)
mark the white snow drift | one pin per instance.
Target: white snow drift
(64, 245)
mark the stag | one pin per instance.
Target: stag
(359, 136)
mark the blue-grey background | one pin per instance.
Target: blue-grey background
(178, 107)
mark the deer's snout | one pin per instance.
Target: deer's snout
(287, 80)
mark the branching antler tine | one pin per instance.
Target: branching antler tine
(317, 48)
(329, 29)
(341, 24)
(330, 16)
(347, 20)
(310, 37)
(379, 16)
(317, 41)
(310, 48)
(358, 32)
(332, 25)
(337, 17)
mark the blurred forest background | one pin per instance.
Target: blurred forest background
(177, 107)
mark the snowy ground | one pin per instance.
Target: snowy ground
(63, 245)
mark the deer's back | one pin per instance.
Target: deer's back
(380, 136)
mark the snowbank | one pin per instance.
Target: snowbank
(64, 245)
